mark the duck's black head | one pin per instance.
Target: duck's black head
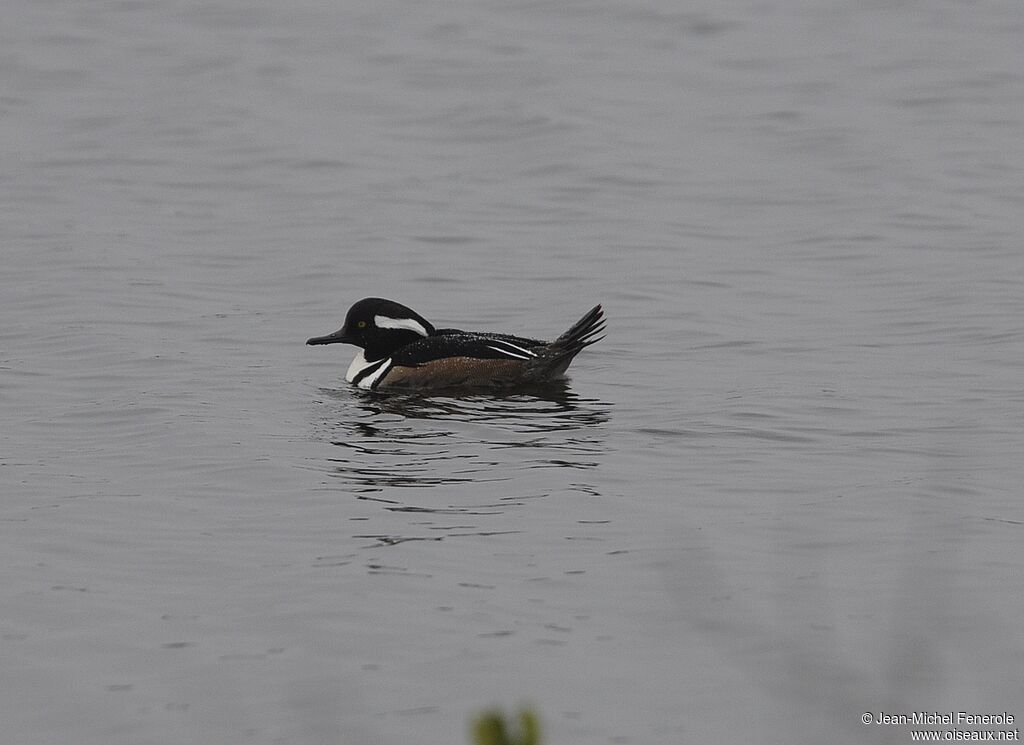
(378, 326)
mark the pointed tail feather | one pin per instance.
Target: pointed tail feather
(554, 360)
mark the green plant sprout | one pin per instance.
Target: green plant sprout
(493, 728)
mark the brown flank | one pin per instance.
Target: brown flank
(452, 372)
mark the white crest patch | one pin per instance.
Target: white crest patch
(386, 322)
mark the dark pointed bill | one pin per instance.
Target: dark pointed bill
(339, 336)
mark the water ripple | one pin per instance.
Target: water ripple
(431, 441)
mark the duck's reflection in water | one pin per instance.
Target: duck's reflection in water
(467, 456)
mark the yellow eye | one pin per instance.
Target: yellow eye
(361, 324)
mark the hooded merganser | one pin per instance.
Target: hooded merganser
(401, 349)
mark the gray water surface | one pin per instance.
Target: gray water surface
(784, 491)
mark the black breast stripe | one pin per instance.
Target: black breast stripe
(370, 370)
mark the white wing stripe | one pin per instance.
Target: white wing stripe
(507, 352)
(511, 349)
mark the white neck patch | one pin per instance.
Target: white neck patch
(386, 322)
(359, 364)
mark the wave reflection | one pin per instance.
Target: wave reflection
(418, 441)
